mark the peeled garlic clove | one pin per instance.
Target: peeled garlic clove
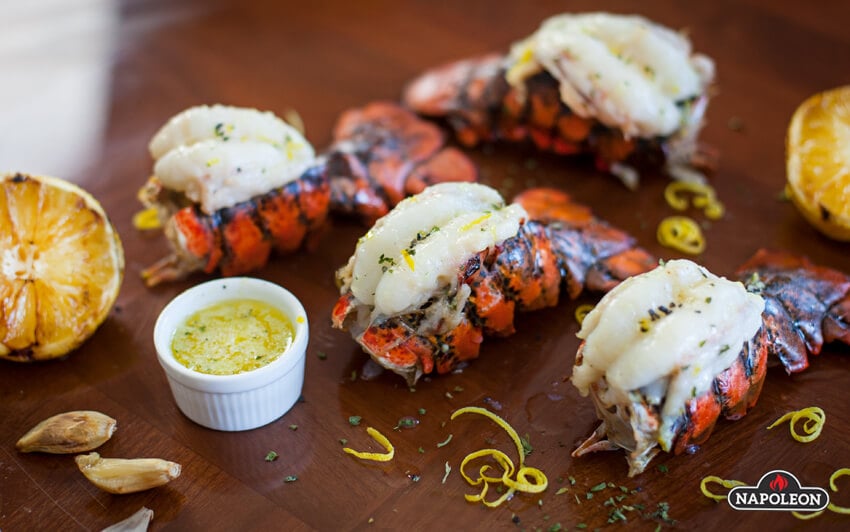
(120, 475)
(138, 522)
(70, 432)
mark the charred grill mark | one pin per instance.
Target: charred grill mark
(256, 205)
(214, 225)
(220, 219)
(748, 360)
(799, 300)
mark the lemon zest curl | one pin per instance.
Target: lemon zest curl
(703, 486)
(703, 198)
(682, 234)
(814, 418)
(377, 457)
(582, 311)
(528, 479)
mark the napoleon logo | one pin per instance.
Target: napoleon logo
(778, 490)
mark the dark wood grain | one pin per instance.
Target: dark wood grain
(321, 58)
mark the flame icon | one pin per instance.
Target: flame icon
(779, 483)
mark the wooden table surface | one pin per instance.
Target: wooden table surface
(85, 84)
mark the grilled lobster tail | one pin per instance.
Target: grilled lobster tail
(380, 154)
(595, 95)
(633, 427)
(562, 247)
(805, 305)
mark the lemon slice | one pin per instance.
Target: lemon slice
(818, 161)
(61, 266)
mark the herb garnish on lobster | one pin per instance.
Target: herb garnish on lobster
(618, 87)
(454, 263)
(232, 185)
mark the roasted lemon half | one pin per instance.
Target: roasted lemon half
(61, 266)
(818, 161)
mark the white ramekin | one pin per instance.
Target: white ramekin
(246, 400)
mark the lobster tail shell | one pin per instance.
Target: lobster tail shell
(735, 391)
(805, 305)
(383, 153)
(591, 254)
(241, 238)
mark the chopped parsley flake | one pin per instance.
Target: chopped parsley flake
(271, 457)
(406, 423)
(354, 420)
(386, 263)
(527, 449)
(599, 487)
(616, 515)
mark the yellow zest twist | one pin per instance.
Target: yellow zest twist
(834, 507)
(146, 219)
(528, 479)
(378, 457)
(581, 312)
(703, 198)
(814, 419)
(831, 507)
(681, 233)
(703, 486)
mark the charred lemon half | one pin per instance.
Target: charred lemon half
(61, 266)
(818, 161)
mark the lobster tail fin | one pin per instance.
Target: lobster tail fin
(468, 93)
(805, 304)
(381, 154)
(591, 253)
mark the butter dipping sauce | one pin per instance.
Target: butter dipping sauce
(232, 336)
(233, 351)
